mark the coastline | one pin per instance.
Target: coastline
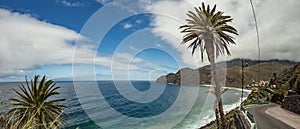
(196, 123)
(209, 85)
(229, 111)
(228, 108)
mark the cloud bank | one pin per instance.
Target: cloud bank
(27, 43)
(277, 20)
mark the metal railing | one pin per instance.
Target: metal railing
(250, 117)
(248, 103)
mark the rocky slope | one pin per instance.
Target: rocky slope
(288, 85)
(187, 76)
(290, 79)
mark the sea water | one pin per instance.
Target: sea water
(115, 109)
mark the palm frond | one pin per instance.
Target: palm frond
(208, 24)
(32, 108)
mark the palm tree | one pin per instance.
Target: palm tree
(35, 107)
(208, 31)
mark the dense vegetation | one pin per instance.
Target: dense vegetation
(284, 81)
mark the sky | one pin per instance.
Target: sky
(125, 39)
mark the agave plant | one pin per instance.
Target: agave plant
(35, 107)
(208, 30)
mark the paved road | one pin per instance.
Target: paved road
(265, 121)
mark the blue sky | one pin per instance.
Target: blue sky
(72, 15)
(124, 39)
(55, 11)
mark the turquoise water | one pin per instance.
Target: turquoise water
(153, 105)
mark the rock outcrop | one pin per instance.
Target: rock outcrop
(187, 76)
(290, 78)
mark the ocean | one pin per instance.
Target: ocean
(135, 104)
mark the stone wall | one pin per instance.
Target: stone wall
(291, 103)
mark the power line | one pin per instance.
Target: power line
(257, 35)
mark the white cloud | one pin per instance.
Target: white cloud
(138, 21)
(133, 48)
(72, 4)
(27, 43)
(132, 6)
(278, 27)
(158, 45)
(127, 26)
(103, 2)
(169, 20)
(152, 64)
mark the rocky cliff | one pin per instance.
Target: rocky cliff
(290, 79)
(187, 76)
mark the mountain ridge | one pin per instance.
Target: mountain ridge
(202, 75)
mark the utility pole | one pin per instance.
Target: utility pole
(244, 64)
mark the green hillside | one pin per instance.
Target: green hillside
(263, 71)
(289, 79)
(256, 71)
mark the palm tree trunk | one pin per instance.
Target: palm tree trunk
(218, 94)
(217, 115)
(223, 119)
(211, 56)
